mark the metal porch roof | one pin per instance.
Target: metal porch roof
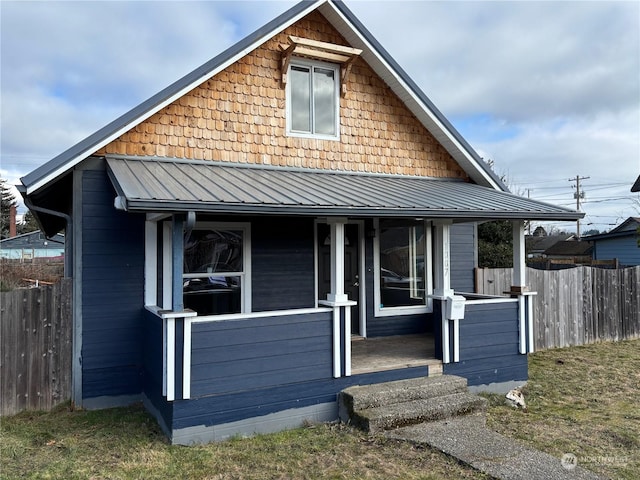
(162, 185)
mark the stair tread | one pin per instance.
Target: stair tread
(367, 396)
(418, 406)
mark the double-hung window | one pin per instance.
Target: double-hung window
(312, 99)
(402, 258)
(217, 269)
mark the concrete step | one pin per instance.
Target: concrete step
(389, 393)
(387, 417)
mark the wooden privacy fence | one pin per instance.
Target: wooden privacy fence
(35, 343)
(575, 306)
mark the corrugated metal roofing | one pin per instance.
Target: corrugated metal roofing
(162, 185)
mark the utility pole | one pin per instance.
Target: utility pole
(578, 196)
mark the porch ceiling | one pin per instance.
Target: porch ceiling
(171, 185)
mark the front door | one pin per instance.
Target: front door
(351, 268)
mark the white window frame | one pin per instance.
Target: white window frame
(300, 62)
(245, 274)
(409, 309)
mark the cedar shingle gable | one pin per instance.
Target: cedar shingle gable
(239, 116)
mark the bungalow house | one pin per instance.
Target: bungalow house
(269, 216)
(621, 244)
(31, 246)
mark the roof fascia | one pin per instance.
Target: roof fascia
(74, 155)
(143, 205)
(481, 173)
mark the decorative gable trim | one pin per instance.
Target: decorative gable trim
(304, 47)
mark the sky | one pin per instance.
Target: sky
(547, 91)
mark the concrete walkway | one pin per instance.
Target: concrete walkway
(467, 439)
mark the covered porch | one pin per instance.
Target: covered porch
(354, 211)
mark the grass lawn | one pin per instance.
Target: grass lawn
(125, 443)
(582, 400)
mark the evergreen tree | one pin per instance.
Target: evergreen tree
(29, 223)
(495, 244)
(6, 201)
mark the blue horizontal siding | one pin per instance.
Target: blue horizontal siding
(282, 263)
(399, 325)
(625, 249)
(216, 354)
(152, 367)
(220, 409)
(489, 340)
(258, 353)
(112, 292)
(462, 254)
(114, 380)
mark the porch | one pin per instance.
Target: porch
(392, 353)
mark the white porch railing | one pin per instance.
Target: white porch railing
(451, 327)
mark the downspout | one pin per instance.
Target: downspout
(68, 257)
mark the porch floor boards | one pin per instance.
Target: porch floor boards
(391, 353)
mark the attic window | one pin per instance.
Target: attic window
(314, 49)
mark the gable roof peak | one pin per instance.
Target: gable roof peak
(346, 23)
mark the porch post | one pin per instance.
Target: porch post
(442, 284)
(177, 253)
(441, 259)
(150, 263)
(337, 260)
(338, 300)
(167, 267)
(520, 289)
(519, 280)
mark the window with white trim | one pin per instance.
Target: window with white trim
(313, 99)
(403, 267)
(216, 272)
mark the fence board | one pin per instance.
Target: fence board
(576, 306)
(36, 347)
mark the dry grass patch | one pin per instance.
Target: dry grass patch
(125, 443)
(584, 401)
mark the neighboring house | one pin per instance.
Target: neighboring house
(619, 244)
(537, 245)
(32, 245)
(233, 233)
(578, 250)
